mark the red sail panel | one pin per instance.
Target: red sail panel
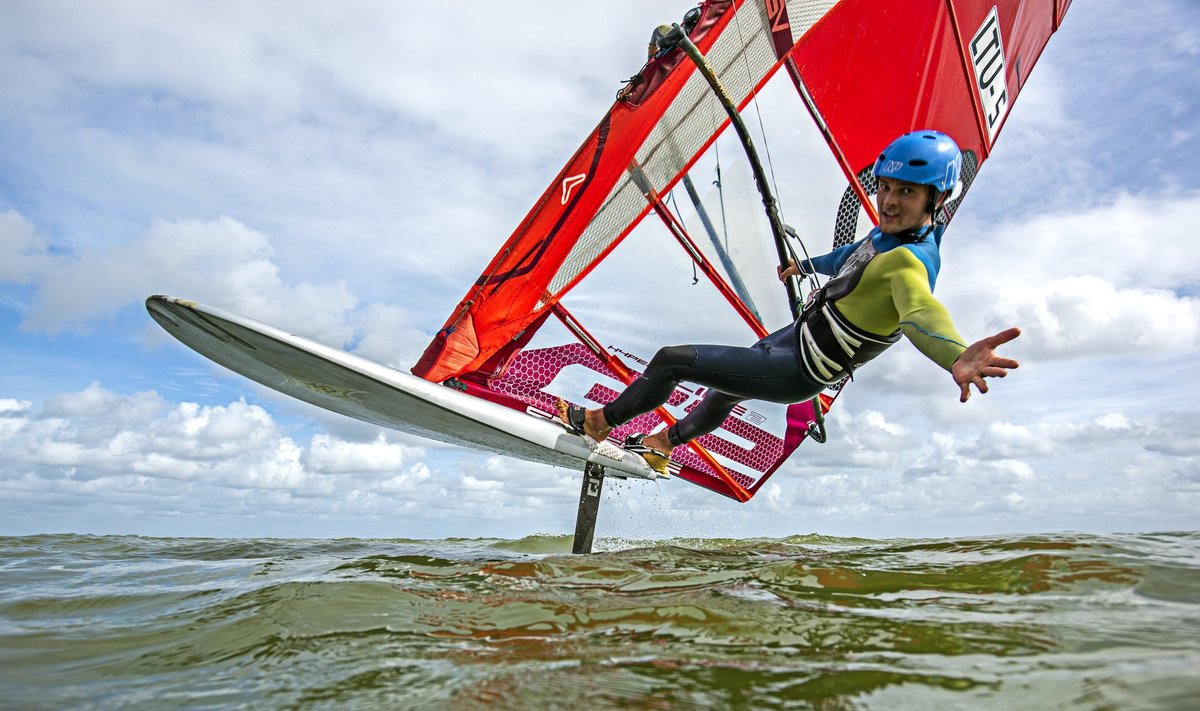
(528, 276)
(910, 69)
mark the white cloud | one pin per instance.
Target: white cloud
(1005, 440)
(220, 262)
(99, 448)
(470, 483)
(870, 439)
(99, 433)
(1101, 473)
(22, 251)
(1177, 434)
(104, 408)
(96, 447)
(1086, 316)
(359, 134)
(386, 334)
(1129, 240)
(407, 482)
(1053, 437)
(10, 406)
(327, 454)
(408, 59)
(1115, 278)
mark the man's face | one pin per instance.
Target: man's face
(901, 205)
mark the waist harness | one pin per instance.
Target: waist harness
(831, 347)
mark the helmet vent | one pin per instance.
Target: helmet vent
(925, 157)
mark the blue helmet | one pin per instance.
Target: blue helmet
(925, 157)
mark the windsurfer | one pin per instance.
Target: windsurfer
(882, 284)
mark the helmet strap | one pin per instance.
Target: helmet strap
(914, 234)
(936, 200)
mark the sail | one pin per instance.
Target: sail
(653, 232)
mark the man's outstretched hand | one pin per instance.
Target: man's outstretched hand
(980, 361)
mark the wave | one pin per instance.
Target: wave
(1064, 619)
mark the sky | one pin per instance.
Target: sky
(344, 170)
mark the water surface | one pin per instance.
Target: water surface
(1065, 621)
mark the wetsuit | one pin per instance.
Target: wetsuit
(882, 286)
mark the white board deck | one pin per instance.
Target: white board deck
(356, 387)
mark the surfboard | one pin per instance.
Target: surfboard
(356, 387)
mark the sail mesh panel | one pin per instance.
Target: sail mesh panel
(845, 226)
(803, 14)
(970, 166)
(741, 56)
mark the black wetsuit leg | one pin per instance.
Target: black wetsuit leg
(769, 370)
(706, 417)
(654, 386)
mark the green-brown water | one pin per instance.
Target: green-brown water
(1061, 621)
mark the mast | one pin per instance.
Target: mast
(676, 37)
(735, 277)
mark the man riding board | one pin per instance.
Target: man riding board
(881, 288)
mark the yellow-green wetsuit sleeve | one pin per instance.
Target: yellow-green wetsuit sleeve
(894, 293)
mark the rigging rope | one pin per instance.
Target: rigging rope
(737, 19)
(678, 38)
(679, 218)
(812, 281)
(721, 195)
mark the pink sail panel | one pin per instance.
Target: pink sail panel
(527, 381)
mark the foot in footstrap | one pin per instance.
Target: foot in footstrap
(573, 416)
(657, 460)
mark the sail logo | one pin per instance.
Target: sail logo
(987, 57)
(892, 166)
(777, 11)
(569, 185)
(594, 482)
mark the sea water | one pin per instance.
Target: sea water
(1061, 621)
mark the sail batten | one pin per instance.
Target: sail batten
(679, 232)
